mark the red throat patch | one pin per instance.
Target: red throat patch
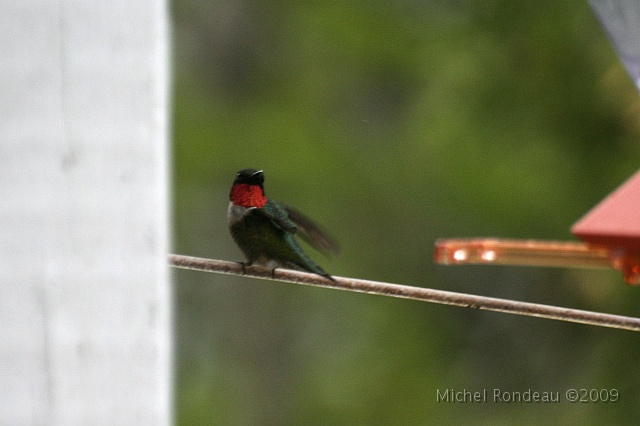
(246, 195)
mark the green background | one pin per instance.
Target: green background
(394, 123)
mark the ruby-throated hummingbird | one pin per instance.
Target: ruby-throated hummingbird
(264, 229)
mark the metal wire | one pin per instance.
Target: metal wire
(408, 292)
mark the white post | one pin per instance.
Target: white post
(84, 287)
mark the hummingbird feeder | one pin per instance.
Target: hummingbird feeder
(610, 233)
(611, 230)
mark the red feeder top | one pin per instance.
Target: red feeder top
(615, 221)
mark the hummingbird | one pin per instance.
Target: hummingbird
(264, 229)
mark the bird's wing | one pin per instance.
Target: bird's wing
(292, 221)
(278, 216)
(311, 232)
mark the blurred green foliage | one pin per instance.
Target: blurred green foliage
(394, 124)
